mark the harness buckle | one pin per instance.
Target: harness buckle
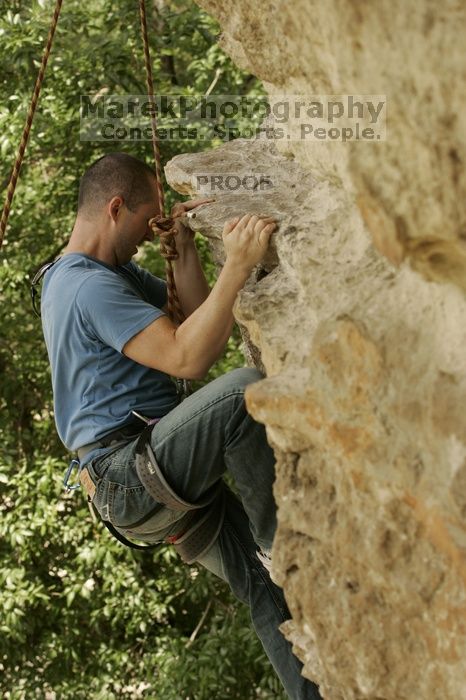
(183, 388)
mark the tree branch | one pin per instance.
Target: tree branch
(199, 625)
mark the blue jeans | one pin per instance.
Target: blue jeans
(207, 434)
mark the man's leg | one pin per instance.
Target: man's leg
(233, 558)
(210, 433)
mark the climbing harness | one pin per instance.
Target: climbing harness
(199, 523)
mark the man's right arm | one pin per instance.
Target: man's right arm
(189, 350)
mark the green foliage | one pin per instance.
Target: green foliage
(82, 616)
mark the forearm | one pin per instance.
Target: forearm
(191, 284)
(205, 333)
(189, 350)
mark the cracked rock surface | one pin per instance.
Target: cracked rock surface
(362, 337)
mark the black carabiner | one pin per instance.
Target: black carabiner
(36, 280)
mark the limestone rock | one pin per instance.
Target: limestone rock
(358, 316)
(411, 51)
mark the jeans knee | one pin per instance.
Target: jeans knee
(242, 376)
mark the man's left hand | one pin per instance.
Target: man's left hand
(178, 211)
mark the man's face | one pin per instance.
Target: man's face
(133, 229)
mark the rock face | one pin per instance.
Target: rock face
(357, 316)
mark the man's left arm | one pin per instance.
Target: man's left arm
(191, 284)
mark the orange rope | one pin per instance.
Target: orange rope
(153, 110)
(160, 224)
(28, 124)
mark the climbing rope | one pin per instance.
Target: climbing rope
(161, 224)
(27, 127)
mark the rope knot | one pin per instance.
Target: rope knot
(164, 227)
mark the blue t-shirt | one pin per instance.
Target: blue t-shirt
(90, 310)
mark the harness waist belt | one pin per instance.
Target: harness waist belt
(124, 434)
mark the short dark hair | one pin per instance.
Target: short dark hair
(115, 175)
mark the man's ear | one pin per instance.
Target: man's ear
(114, 207)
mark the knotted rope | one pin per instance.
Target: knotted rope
(162, 225)
(27, 127)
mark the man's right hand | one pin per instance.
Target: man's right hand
(246, 239)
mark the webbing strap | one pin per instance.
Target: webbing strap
(121, 538)
(154, 482)
(195, 542)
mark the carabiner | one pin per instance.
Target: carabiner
(72, 465)
(183, 387)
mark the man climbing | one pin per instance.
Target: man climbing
(112, 348)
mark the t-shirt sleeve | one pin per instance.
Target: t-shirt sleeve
(155, 288)
(112, 311)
